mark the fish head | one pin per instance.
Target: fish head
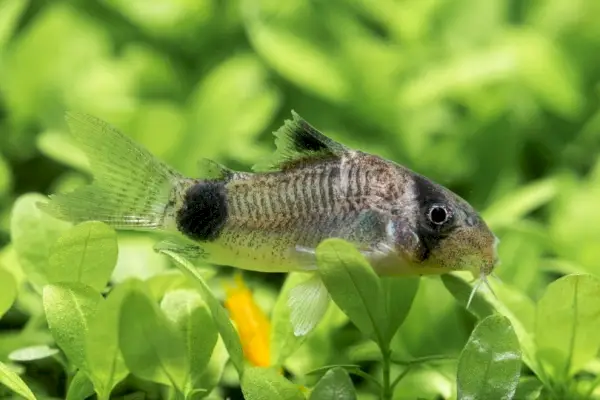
(450, 233)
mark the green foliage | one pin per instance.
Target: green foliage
(11, 380)
(69, 309)
(497, 100)
(105, 364)
(567, 323)
(490, 364)
(80, 388)
(222, 321)
(86, 253)
(188, 312)
(353, 286)
(283, 341)
(161, 356)
(8, 291)
(335, 385)
(266, 384)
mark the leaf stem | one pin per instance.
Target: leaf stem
(367, 377)
(387, 390)
(401, 376)
(421, 360)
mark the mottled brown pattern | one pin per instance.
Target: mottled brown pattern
(279, 201)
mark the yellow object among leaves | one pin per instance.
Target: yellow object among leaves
(252, 324)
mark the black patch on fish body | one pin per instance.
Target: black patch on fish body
(204, 211)
(427, 195)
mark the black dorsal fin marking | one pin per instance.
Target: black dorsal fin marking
(297, 142)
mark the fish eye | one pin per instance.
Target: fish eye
(438, 214)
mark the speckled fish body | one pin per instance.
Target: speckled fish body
(272, 219)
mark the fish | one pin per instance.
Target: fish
(272, 218)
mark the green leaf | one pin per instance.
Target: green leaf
(267, 384)
(324, 369)
(283, 49)
(105, 362)
(461, 291)
(490, 364)
(508, 210)
(529, 388)
(69, 309)
(152, 347)
(216, 365)
(283, 341)
(243, 117)
(5, 174)
(168, 280)
(335, 385)
(567, 324)
(399, 293)
(87, 253)
(80, 388)
(219, 314)
(353, 286)
(32, 353)
(511, 303)
(33, 233)
(10, 12)
(188, 312)
(8, 291)
(12, 381)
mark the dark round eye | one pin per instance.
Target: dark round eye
(438, 214)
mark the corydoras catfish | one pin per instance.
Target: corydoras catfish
(273, 218)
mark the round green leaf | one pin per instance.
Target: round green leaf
(490, 364)
(335, 385)
(152, 347)
(283, 341)
(86, 253)
(69, 309)
(267, 384)
(105, 362)
(33, 233)
(8, 291)
(399, 293)
(567, 324)
(215, 368)
(353, 286)
(230, 336)
(188, 312)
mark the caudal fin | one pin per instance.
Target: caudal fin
(131, 187)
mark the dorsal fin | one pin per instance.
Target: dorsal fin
(297, 141)
(210, 169)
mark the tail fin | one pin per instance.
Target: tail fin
(131, 187)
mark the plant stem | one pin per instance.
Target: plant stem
(421, 360)
(386, 392)
(401, 376)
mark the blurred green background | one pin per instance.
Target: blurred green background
(498, 100)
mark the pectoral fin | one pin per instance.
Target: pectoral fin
(308, 303)
(185, 248)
